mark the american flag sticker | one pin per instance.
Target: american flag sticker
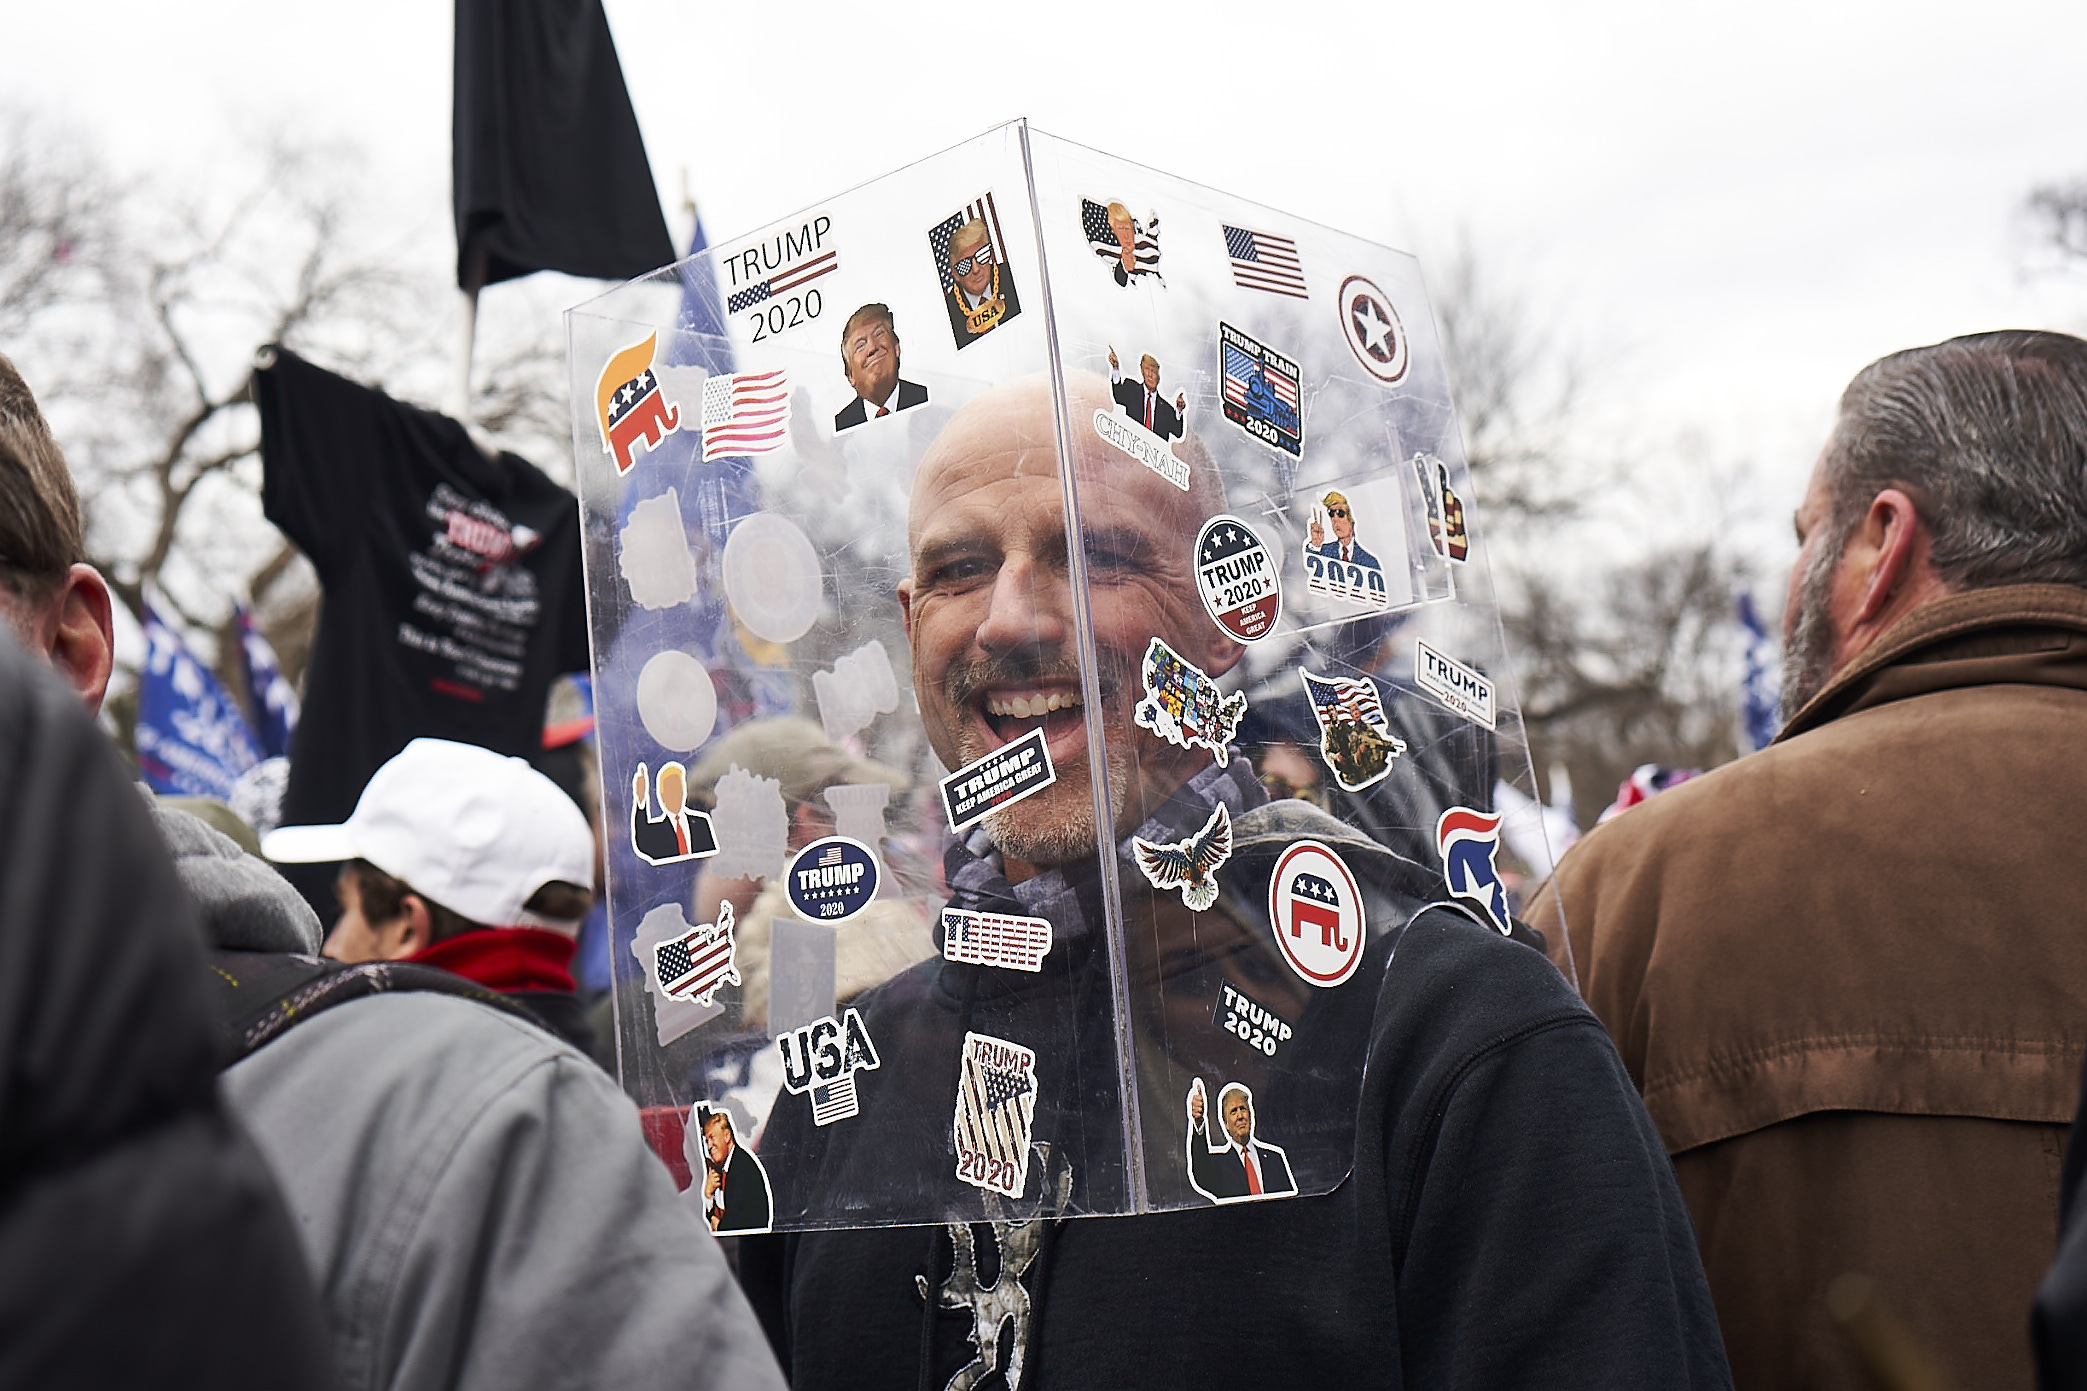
(995, 939)
(1264, 261)
(1262, 390)
(1106, 225)
(692, 966)
(745, 413)
(1354, 737)
(996, 1108)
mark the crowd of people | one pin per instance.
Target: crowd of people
(1768, 1085)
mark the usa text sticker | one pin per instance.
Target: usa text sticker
(1248, 1020)
(832, 879)
(1454, 684)
(1237, 578)
(822, 1058)
(1185, 706)
(996, 1106)
(1191, 863)
(1003, 777)
(1315, 908)
(995, 939)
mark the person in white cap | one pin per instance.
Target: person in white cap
(475, 1200)
(465, 859)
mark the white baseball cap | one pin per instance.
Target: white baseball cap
(476, 832)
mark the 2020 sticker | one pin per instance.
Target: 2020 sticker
(832, 879)
(996, 1107)
(1236, 576)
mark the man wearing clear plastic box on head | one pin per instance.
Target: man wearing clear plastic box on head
(1496, 1211)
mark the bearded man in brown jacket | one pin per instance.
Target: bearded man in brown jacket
(1849, 973)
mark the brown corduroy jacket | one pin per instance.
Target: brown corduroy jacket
(1849, 974)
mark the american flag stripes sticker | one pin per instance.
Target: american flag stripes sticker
(785, 280)
(745, 413)
(996, 1107)
(1263, 261)
(995, 939)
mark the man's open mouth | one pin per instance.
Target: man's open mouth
(1012, 713)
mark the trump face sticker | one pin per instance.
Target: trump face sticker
(832, 879)
(1236, 576)
(1315, 908)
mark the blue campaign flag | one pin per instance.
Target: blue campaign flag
(1761, 691)
(191, 738)
(269, 695)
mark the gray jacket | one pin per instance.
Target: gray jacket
(475, 1197)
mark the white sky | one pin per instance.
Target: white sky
(1733, 207)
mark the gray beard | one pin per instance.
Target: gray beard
(1028, 831)
(1808, 659)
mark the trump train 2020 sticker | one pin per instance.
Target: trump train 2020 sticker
(1315, 908)
(1237, 578)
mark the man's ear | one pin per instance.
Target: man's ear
(410, 933)
(1223, 655)
(1894, 543)
(906, 605)
(83, 643)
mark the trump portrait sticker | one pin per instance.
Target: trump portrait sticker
(996, 1105)
(1315, 909)
(1236, 576)
(832, 879)
(978, 284)
(1372, 329)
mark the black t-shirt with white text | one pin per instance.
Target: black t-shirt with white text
(452, 590)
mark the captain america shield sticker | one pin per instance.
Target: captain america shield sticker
(1315, 909)
(1372, 329)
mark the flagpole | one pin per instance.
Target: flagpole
(458, 404)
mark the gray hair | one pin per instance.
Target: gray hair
(1988, 435)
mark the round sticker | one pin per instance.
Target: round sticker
(1237, 576)
(772, 577)
(832, 880)
(676, 701)
(1372, 328)
(1316, 911)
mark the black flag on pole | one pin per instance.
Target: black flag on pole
(550, 170)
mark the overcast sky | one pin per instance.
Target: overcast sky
(1733, 208)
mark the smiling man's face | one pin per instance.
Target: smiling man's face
(989, 610)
